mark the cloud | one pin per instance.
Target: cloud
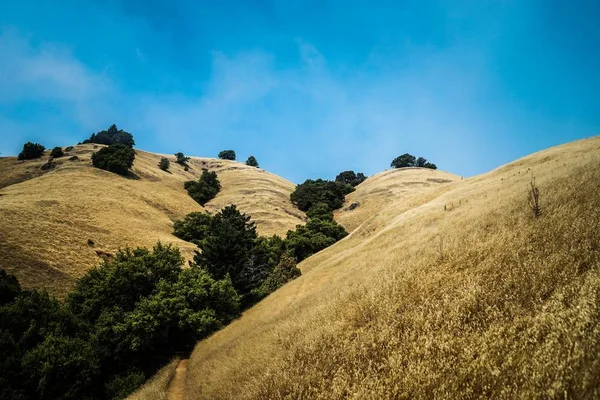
(45, 71)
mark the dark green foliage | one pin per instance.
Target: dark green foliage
(408, 160)
(116, 158)
(205, 189)
(69, 148)
(228, 248)
(312, 192)
(164, 164)
(313, 237)
(251, 161)
(284, 272)
(194, 228)
(320, 211)
(181, 159)
(403, 161)
(9, 287)
(227, 155)
(123, 320)
(57, 152)
(31, 151)
(112, 136)
(350, 178)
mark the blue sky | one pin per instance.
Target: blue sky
(310, 88)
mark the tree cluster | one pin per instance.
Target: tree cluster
(123, 320)
(112, 136)
(408, 160)
(31, 151)
(230, 247)
(204, 189)
(350, 178)
(227, 155)
(313, 192)
(116, 158)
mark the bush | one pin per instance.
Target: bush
(69, 148)
(251, 161)
(350, 178)
(312, 192)
(116, 158)
(284, 272)
(205, 189)
(112, 136)
(320, 211)
(164, 164)
(31, 151)
(57, 152)
(181, 159)
(227, 155)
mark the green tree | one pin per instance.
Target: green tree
(194, 228)
(31, 151)
(227, 155)
(181, 159)
(350, 178)
(430, 165)
(9, 287)
(116, 158)
(205, 189)
(228, 248)
(320, 211)
(312, 192)
(164, 164)
(285, 271)
(57, 152)
(403, 161)
(251, 161)
(112, 136)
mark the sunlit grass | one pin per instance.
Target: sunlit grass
(452, 292)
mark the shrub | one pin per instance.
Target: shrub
(181, 159)
(312, 192)
(112, 136)
(116, 158)
(69, 148)
(227, 155)
(164, 164)
(205, 189)
(31, 151)
(350, 178)
(57, 152)
(251, 161)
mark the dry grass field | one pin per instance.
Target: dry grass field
(457, 291)
(56, 225)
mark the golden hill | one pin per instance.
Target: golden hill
(453, 292)
(55, 225)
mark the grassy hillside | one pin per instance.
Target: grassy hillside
(455, 292)
(56, 225)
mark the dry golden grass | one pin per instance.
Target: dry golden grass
(47, 219)
(156, 388)
(458, 292)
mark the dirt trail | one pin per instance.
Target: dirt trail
(176, 389)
